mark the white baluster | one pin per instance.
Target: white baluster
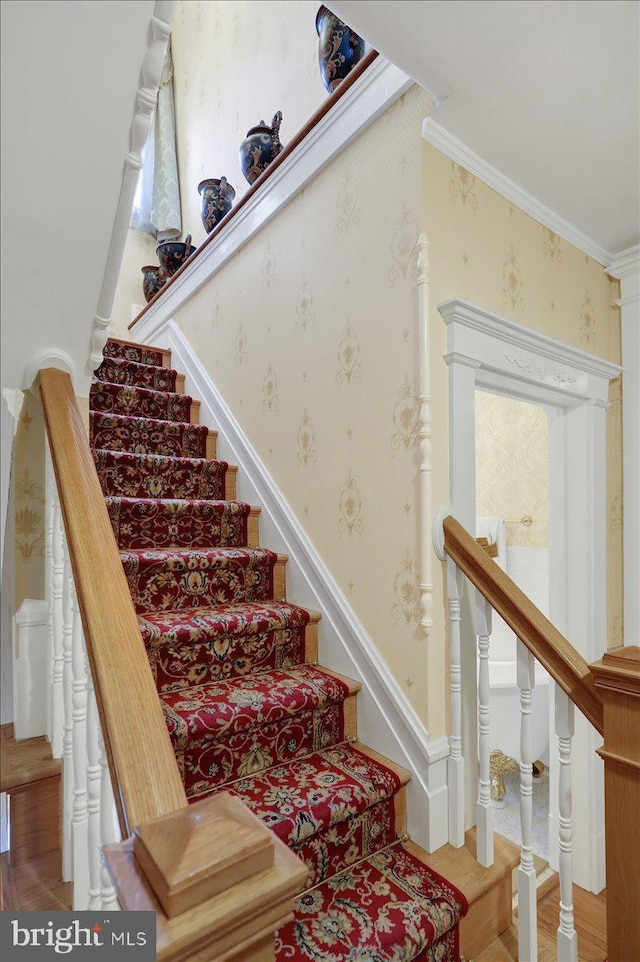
(57, 580)
(48, 551)
(109, 831)
(455, 763)
(67, 737)
(484, 807)
(94, 773)
(80, 797)
(567, 938)
(527, 906)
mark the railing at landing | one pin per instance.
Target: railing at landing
(608, 695)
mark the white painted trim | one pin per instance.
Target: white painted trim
(145, 106)
(379, 86)
(30, 664)
(574, 384)
(386, 719)
(48, 357)
(436, 134)
(626, 268)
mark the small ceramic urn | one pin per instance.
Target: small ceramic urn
(340, 48)
(173, 254)
(217, 200)
(152, 280)
(260, 147)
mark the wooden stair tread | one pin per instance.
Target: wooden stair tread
(25, 762)
(459, 865)
(403, 774)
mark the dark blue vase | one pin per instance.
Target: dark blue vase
(260, 147)
(152, 280)
(340, 48)
(173, 254)
(217, 200)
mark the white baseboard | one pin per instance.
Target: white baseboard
(386, 719)
(30, 652)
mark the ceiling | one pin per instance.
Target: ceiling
(546, 91)
(70, 74)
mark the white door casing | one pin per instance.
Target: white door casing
(491, 352)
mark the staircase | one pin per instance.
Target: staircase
(247, 707)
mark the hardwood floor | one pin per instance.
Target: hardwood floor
(590, 922)
(31, 871)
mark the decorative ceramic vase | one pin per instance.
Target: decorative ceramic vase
(217, 200)
(260, 147)
(173, 254)
(153, 279)
(340, 48)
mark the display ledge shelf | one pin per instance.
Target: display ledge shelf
(373, 85)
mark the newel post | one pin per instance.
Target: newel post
(221, 883)
(617, 678)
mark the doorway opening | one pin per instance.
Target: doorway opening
(512, 513)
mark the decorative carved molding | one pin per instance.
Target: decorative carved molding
(553, 375)
(145, 105)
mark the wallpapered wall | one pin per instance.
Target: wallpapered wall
(512, 467)
(28, 485)
(310, 331)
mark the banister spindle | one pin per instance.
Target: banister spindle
(527, 907)
(484, 808)
(455, 762)
(67, 737)
(567, 938)
(57, 579)
(48, 554)
(94, 773)
(80, 762)
(109, 830)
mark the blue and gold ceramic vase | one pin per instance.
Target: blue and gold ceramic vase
(340, 48)
(173, 254)
(217, 200)
(153, 279)
(260, 147)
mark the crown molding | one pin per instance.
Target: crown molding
(626, 264)
(435, 134)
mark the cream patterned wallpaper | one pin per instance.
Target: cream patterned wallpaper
(311, 332)
(512, 467)
(29, 501)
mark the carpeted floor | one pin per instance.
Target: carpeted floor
(245, 704)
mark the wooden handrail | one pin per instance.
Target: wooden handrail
(565, 665)
(144, 773)
(286, 151)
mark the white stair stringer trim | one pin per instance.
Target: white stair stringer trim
(386, 719)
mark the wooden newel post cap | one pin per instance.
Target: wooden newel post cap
(195, 853)
(619, 669)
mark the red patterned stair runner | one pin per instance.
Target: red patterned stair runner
(246, 707)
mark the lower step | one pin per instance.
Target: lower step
(177, 439)
(180, 523)
(200, 645)
(391, 907)
(331, 808)
(233, 729)
(187, 578)
(488, 890)
(123, 474)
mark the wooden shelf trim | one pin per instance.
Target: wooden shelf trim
(565, 665)
(143, 768)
